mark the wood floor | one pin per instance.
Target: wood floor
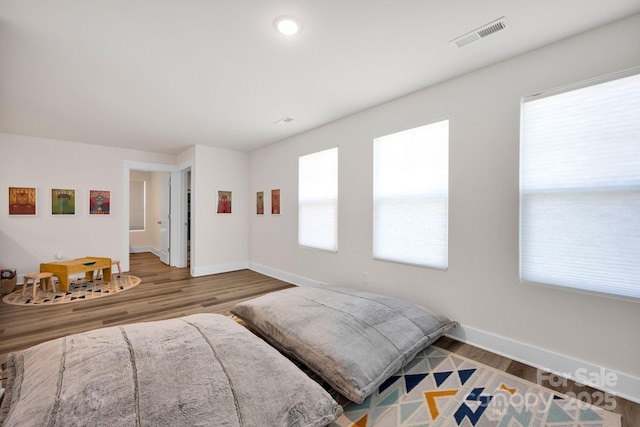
(167, 292)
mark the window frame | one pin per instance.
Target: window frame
(331, 201)
(424, 194)
(141, 205)
(566, 194)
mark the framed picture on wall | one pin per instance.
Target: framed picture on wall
(22, 201)
(99, 202)
(275, 202)
(224, 201)
(63, 202)
(260, 203)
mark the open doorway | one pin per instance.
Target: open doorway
(176, 229)
(149, 213)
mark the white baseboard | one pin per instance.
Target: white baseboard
(139, 249)
(20, 279)
(607, 380)
(283, 275)
(220, 268)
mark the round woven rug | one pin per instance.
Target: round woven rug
(79, 290)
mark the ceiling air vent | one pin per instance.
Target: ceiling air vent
(284, 121)
(480, 33)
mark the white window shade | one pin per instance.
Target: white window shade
(318, 200)
(580, 188)
(411, 196)
(137, 205)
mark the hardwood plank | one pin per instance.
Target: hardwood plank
(164, 292)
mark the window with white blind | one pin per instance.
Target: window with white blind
(411, 196)
(137, 205)
(580, 187)
(318, 200)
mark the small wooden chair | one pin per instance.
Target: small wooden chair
(115, 262)
(45, 280)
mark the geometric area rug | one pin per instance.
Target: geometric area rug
(440, 388)
(79, 290)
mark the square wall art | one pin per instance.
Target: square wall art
(260, 203)
(275, 202)
(99, 202)
(63, 202)
(224, 201)
(22, 201)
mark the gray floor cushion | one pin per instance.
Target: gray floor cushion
(354, 340)
(199, 370)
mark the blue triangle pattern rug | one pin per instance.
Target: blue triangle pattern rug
(439, 388)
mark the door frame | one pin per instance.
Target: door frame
(178, 211)
(165, 218)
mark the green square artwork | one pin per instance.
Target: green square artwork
(63, 202)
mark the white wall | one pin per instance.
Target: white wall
(219, 241)
(25, 242)
(481, 289)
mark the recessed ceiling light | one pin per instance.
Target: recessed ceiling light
(287, 25)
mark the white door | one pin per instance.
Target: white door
(165, 209)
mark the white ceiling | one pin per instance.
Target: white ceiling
(161, 75)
